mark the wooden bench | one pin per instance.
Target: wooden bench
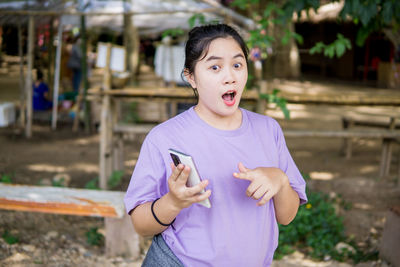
(388, 137)
(119, 131)
(121, 239)
(387, 121)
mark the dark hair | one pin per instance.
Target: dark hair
(200, 39)
(39, 75)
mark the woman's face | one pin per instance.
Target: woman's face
(220, 78)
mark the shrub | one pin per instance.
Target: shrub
(317, 229)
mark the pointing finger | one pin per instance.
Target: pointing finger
(242, 168)
(242, 175)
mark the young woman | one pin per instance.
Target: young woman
(247, 172)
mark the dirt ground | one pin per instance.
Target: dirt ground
(58, 240)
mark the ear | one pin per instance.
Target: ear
(190, 78)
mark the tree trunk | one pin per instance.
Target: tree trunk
(284, 62)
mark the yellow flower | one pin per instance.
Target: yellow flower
(308, 206)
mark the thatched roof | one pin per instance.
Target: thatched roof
(327, 12)
(148, 15)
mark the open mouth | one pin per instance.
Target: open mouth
(229, 98)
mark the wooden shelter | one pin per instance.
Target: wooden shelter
(137, 17)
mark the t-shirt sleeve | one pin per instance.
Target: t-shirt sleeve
(287, 164)
(148, 180)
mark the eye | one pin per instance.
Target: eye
(237, 65)
(215, 67)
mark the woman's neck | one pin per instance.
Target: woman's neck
(227, 123)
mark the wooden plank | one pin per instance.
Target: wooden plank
(340, 99)
(342, 133)
(59, 200)
(133, 128)
(161, 92)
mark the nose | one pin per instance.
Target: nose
(229, 77)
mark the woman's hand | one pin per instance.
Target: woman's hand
(265, 182)
(179, 194)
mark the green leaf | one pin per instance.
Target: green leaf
(298, 38)
(9, 238)
(93, 237)
(340, 49)
(173, 32)
(387, 12)
(329, 51)
(93, 184)
(115, 179)
(317, 48)
(6, 178)
(362, 35)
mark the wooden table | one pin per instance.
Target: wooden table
(110, 149)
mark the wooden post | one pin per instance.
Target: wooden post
(22, 117)
(105, 127)
(57, 76)
(387, 147)
(28, 84)
(121, 238)
(128, 46)
(262, 103)
(86, 107)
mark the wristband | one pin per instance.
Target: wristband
(155, 217)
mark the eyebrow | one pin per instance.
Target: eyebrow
(217, 58)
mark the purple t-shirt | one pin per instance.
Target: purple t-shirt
(234, 231)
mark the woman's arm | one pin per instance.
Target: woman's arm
(169, 205)
(267, 183)
(286, 202)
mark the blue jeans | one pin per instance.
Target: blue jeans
(160, 255)
(76, 79)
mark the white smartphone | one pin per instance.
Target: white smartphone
(194, 177)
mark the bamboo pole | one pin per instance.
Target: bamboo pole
(83, 87)
(28, 84)
(86, 106)
(57, 76)
(105, 127)
(22, 117)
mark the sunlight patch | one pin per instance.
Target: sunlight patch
(130, 163)
(362, 206)
(85, 167)
(321, 176)
(46, 168)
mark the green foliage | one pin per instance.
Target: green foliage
(115, 179)
(201, 19)
(93, 237)
(279, 101)
(173, 32)
(93, 184)
(9, 238)
(58, 183)
(371, 15)
(337, 48)
(317, 229)
(196, 17)
(6, 178)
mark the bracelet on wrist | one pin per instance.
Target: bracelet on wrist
(155, 217)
